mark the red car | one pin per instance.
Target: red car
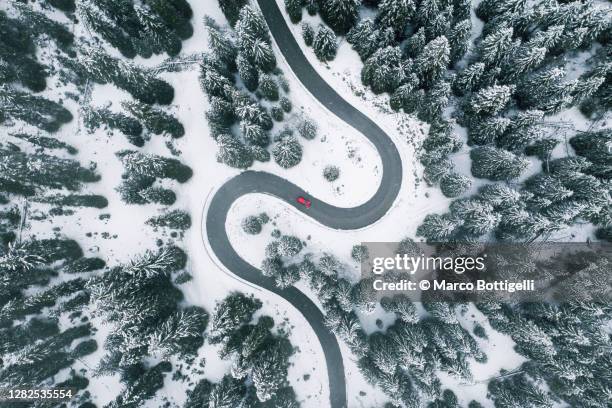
(304, 201)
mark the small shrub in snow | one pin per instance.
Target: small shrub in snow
(285, 104)
(331, 173)
(175, 219)
(480, 331)
(307, 129)
(277, 113)
(263, 217)
(360, 253)
(251, 225)
(268, 87)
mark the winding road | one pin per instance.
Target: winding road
(331, 216)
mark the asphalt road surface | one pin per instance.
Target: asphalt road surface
(329, 215)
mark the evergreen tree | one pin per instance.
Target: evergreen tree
(22, 173)
(277, 113)
(294, 10)
(340, 15)
(469, 78)
(233, 153)
(434, 102)
(490, 8)
(308, 34)
(230, 314)
(32, 109)
(130, 127)
(324, 44)
(307, 129)
(490, 101)
(384, 70)
(268, 87)
(331, 173)
(40, 24)
(476, 217)
(231, 9)
(416, 43)
(228, 393)
(436, 228)
(402, 306)
(17, 53)
(222, 46)
(454, 184)
(248, 73)
(436, 170)
(459, 38)
(174, 219)
(495, 164)
(525, 59)
(100, 67)
(395, 14)
(431, 63)
(546, 90)
(289, 246)
(253, 134)
(287, 152)
(251, 225)
(154, 165)
(496, 46)
(487, 130)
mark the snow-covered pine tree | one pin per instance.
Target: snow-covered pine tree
(294, 10)
(308, 34)
(32, 109)
(340, 15)
(454, 184)
(432, 62)
(402, 306)
(233, 153)
(248, 72)
(287, 152)
(496, 164)
(93, 118)
(489, 101)
(324, 44)
(437, 228)
(395, 14)
(231, 9)
(174, 219)
(254, 134)
(289, 246)
(154, 165)
(307, 129)
(468, 79)
(384, 70)
(268, 87)
(234, 311)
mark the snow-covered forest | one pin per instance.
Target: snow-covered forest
(121, 121)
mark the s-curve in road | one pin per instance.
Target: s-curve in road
(329, 215)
